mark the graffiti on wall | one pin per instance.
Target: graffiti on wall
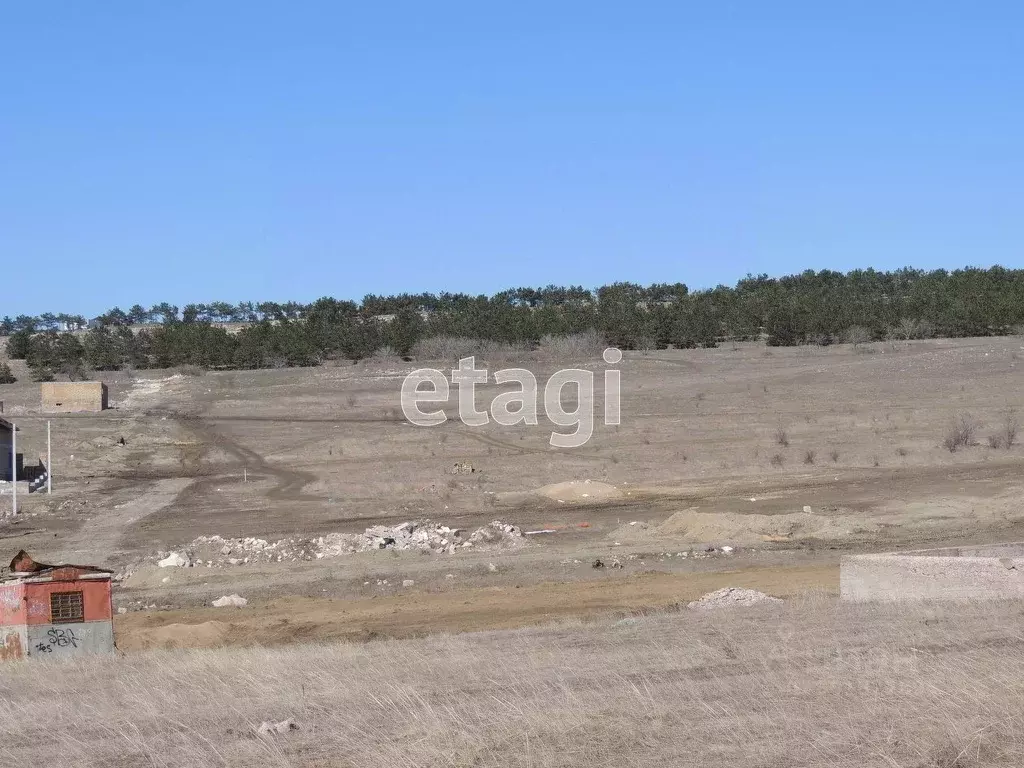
(58, 638)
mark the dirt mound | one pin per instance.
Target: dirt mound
(749, 529)
(208, 634)
(732, 597)
(580, 490)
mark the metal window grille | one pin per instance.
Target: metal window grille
(66, 606)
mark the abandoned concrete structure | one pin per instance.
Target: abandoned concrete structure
(74, 396)
(994, 572)
(54, 610)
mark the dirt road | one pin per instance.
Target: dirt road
(465, 610)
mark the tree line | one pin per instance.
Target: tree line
(809, 308)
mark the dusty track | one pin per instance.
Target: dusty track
(420, 613)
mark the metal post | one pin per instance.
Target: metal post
(49, 466)
(14, 469)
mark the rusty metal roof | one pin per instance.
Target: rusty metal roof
(24, 564)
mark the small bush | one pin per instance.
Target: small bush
(834, 455)
(781, 438)
(777, 460)
(809, 457)
(960, 433)
(446, 348)
(857, 334)
(6, 376)
(191, 370)
(901, 452)
(908, 329)
(1009, 429)
(573, 346)
(385, 353)
(995, 441)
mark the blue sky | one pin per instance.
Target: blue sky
(194, 151)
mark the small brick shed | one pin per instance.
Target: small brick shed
(73, 396)
(54, 610)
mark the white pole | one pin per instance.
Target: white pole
(14, 469)
(245, 474)
(49, 466)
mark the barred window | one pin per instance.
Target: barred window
(66, 606)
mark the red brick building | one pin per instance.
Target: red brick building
(54, 610)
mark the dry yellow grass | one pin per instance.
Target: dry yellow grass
(811, 683)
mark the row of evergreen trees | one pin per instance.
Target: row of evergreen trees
(813, 307)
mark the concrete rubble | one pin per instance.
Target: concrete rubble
(425, 536)
(230, 601)
(730, 597)
(173, 560)
(270, 728)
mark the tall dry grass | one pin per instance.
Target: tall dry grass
(808, 684)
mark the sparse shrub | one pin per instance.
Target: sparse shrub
(960, 433)
(781, 438)
(1007, 433)
(857, 334)
(874, 461)
(1009, 429)
(901, 452)
(190, 370)
(809, 457)
(446, 348)
(834, 455)
(909, 328)
(385, 353)
(574, 346)
(777, 460)
(6, 376)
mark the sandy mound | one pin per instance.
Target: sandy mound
(733, 528)
(732, 597)
(208, 634)
(580, 490)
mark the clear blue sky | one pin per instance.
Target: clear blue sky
(200, 150)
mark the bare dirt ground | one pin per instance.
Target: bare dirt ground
(724, 447)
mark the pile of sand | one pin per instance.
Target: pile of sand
(695, 527)
(580, 490)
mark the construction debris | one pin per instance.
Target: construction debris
(730, 597)
(173, 560)
(230, 601)
(217, 551)
(270, 728)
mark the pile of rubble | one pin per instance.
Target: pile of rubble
(423, 536)
(729, 597)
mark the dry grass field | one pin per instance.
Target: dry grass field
(809, 683)
(788, 458)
